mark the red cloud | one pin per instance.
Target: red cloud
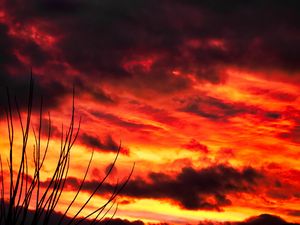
(194, 145)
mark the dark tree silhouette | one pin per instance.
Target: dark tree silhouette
(22, 198)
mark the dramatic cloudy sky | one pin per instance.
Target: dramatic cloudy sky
(202, 95)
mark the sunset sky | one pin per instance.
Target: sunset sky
(202, 95)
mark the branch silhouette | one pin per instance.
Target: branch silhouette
(23, 195)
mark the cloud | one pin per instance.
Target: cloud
(108, 145)
(119, 121)
(294, 213)
(292, 135)
(273, 94)
(220, 110)
(194, 145)
(126, 46)
(98, 94)
(291, 132)
(205, 189)
(213, 108)
(46, 128)
(15, 76)
(155, 113)
(52, 92)
(94, 142)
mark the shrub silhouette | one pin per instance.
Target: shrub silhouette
(22, 199)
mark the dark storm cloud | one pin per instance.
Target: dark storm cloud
(12, 45)
(213, 108)
(292, 135)
(101, 38)
(116, 120)
(47, 127)
(274, 94)
(292, 132)
(219, 110)
(157, 114)
(294, 213)
(190, 189)
(52, 92)
(6, 48)
(108, 144)
(83, 86)
(18, 82)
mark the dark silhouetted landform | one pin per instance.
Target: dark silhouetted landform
(263, 219)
